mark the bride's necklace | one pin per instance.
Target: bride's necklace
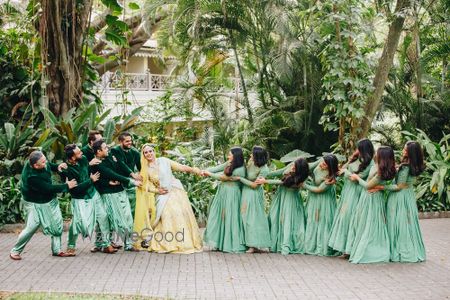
(153, 165)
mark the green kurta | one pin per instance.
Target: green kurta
(224, 230)
(41, 206)
(254, 218)
(131, 161)
(319, 214)
(110, 170)
(406, 242)
(88, 152)
(371, 242)
(346, 207)
(36, 185)
(87, 205)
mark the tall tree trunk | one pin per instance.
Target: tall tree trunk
(418, 70)
(241, 75)
(62, 27)
(384, 66)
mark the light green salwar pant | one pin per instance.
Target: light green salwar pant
(45, 215)
(83, 219)
(103, 228)
(131, 193)
(119, 213)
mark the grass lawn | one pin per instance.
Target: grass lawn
(67, 296)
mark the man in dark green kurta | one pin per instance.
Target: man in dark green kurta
(111, 188)
(130, 158)
(87, 205)
(93, 136)
(41, 204)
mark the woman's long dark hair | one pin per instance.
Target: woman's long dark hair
(332, 164)
(259, 156)
(414, 158)
(293, 179)
(386, 163)
(238, 160)
(366, 152)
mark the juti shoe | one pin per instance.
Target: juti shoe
(109, 250)
(15, 256)
(62, 254)
(95, 249)
(71, 252)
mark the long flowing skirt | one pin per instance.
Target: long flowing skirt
(287, 222)
(177, 230)
(345, 210)
(254, 219)
(405, 236)
(224, 230)
(371, 243)
(319, 220)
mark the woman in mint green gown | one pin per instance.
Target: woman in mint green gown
(360, 163)
(371, 242)
(254, 218)
(321, 207)
(406, 242)
(224, 230)
(286, 214)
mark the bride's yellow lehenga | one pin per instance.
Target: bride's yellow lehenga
(171, 226)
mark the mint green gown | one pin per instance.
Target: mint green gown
(346, 206)
(319, 214)
(224, 229)
(287, 215)
(406, 242)
(371, 241)
(254, 218)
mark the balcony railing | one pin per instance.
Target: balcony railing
(146, 82)
(135, 81)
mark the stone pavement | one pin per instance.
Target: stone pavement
(215, 275)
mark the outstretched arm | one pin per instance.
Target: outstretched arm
(111, 175)
(277, 173)
(317, 189)
(218, 168)
(313, 165)
(183, 168)
(248, 183)
(48, 187)
(369, 184)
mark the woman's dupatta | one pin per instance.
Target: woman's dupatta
(142, 193)
(165, 182)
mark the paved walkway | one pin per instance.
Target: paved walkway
(214, 275)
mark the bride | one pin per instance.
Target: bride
(164, 220)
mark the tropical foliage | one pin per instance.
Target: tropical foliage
(308, 75)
